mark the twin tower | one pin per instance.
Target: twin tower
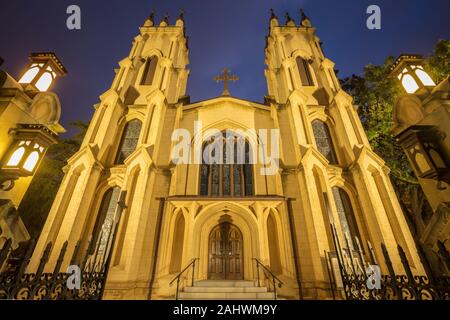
(126, 201)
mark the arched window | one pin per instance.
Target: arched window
(305, 72)
(323, 140)
(346, 216)
(226, 169)
(105, 220)
(129, 141)
(149, 71)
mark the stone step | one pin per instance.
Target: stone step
(226, 295)
(209, 289)
(224, 283)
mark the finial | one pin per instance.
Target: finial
(149, 22)
(288, 18)
(151, 17)
(166, 18)
(272, 14)
(305, 21)
(181, 15)
(302, 13)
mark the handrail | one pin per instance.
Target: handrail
(275, 279)
(192, 263)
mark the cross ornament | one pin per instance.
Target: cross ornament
(225, 77)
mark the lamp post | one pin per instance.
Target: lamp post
(29, 124)
(421, 120)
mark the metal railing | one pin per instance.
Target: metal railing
(269, 275)
(178, 277)
(16, 283)
(357, 284)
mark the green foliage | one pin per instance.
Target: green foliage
(39, 197)
(375, 94)
(438, 64)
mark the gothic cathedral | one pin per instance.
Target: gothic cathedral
(125, 201)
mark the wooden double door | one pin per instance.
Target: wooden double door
(225, 253)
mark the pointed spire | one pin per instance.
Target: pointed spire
(302, 13)
(180, 20)
(165, 21)
(181, 15)
(273, 21)
(149, 22)
(289, 20)
(272, 14)
(151, 17)
(305, 21)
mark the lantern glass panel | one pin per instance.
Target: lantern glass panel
(16, 157)
(31, 161)
(44, 81)
(424, 77)
(29, 75)
(409, 84)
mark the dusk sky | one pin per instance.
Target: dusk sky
(222, 34)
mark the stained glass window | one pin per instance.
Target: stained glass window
(304, 71)
(323, 140)
(228, 178)
(130, 138)
(346, 216)
(204, 182)
(149, 71)
(248, 176)
(105, 220)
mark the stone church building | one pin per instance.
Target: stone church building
(128, 202)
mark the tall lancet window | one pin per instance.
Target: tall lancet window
(104, 223)
(305, 72)
(226, 169)
(149, 71)
(129, 141)
(346, 216)
(323, 140)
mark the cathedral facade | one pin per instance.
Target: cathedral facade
(148, 216)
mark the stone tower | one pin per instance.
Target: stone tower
(125, 199)
(137, 107)
(328, 164)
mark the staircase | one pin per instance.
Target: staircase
(225, 290)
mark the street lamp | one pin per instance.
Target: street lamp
(44, 68)
(409, 70)
(423, 147)
(30, 143)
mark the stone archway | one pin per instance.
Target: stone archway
(242, 220)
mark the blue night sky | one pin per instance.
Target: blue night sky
(222, 34)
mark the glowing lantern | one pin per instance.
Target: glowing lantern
(409, 71)
(25, 153)
(45, 67)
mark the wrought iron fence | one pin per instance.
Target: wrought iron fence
(356, 282)
(15, 283)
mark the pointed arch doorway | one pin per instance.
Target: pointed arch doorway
(225, 255)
